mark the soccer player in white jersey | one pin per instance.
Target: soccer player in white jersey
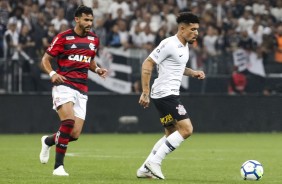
(170, 56)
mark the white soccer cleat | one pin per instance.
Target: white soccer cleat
(144, 173)
(155, 169)
(60, 171)
(45, 149)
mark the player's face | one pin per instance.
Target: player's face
(84, 22)
(190, 32)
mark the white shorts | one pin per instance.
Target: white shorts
(62, 94)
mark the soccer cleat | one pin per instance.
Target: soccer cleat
(60, 171)
(155, 169)
(45, 149)
(144, 174)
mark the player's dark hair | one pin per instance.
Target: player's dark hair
(83, 9)
(187, 18)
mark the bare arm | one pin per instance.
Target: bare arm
(146, 73)
(193, 73)
(46, 66)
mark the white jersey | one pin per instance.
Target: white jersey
(171, 57)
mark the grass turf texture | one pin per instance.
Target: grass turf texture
(114, 159)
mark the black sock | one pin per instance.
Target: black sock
(59, 160)
(50, 140)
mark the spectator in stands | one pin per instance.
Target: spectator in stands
(124, 34)
(237, 83)
(97, 12)
(27, 42)
(17, 17)
(59, 19)
(48, 8)
(169, 18)
(135, 36)
(256, 33)
(29, 55)
(48, 37)
(276, 11)
(100, 31)
(63, 27)
(70, 7)
(268, 45)
(246, 42)
(5, 11)
(156, 20)
(246, 21)
(113, 37)
(161, 34)
(11, 39)
(148, 38)
(209, 48)
(119, 4)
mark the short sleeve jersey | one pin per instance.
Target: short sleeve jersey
(74, 54)
(171, 57)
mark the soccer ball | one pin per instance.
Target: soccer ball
(251, 170)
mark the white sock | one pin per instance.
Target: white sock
(172, 142)
(153, 151)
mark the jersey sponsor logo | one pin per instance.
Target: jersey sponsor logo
(181, 110)
(70, 38)
(52, 44)
(166, 119)
(90, 37)
(80, 58)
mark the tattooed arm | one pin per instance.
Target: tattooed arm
(147, 68)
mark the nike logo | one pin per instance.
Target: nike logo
(181, 55)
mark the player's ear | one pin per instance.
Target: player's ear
(76, 19)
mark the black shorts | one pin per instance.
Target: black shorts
(170, 109)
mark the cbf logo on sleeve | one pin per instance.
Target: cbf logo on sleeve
(80, 58)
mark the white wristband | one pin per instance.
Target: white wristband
(96, 69)
(52, 73)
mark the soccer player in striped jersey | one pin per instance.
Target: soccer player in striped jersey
(75, 50)
(171, 57)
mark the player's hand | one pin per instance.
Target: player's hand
(199, 75)
(102, 72)
(58, 79)
(144, 100)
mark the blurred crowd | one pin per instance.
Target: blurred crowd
(236, 38)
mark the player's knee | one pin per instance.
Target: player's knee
(186, 131)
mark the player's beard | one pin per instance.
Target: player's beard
(192, 40)
(85, 29)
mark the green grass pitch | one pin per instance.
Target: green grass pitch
(114, 159)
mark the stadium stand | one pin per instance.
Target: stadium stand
(245, 35)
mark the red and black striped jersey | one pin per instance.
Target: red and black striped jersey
(74, 53)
